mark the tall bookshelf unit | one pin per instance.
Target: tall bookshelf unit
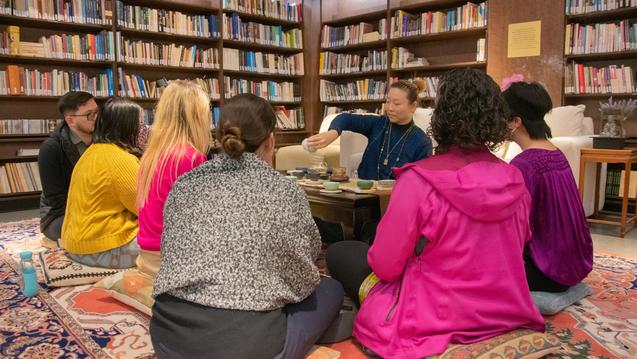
(443, 50)
(602, 57)
(148, 38)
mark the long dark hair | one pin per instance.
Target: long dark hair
(246, 121)
(118, 124)
(469, 111)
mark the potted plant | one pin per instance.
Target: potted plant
(613, 115)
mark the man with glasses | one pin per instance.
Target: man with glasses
(58, 156)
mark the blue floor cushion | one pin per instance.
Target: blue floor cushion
(552, 303)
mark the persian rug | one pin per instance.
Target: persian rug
(84, 322)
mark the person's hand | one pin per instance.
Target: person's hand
(322, 139)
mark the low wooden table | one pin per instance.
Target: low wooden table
(627, 157)
(353, 211)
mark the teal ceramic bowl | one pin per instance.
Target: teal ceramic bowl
(291, 178)
(330, 186)
(365, 184)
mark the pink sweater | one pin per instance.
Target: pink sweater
(151, 215)
(468, 284)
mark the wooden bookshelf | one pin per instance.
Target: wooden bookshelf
(445, 35)
(444, 51)
(166, 36)
(602, 16)
(627, 58)
(23, 106)
(442, 67)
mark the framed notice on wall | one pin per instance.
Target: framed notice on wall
(524, 39)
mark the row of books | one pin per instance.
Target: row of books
(613, 181)
(402, 58)
(335, 36)
(291, 10)
(463, 17)
(135, 86)
(331, 63)
(254, 61)
(289, 119)
(588, 6)
(360, 90)
(613, 79)
(269, 90)
(427, 86)
(153, 53)
(77, 11)
(168, 21)
(481, 54)
(98, 47)
(17, 80)
(596, 38)
(16, 177)
(234, 28)
(28, 126)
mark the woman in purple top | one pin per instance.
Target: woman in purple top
(560, 253)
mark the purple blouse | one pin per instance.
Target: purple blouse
(561, 246)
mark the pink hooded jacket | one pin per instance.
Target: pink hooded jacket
(468, 283)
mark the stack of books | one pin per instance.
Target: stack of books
(254, 61)
(237, 29)
(168, 21)
(17, 80)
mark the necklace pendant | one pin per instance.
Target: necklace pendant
(385, 162)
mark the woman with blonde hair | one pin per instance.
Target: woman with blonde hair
(179, 138)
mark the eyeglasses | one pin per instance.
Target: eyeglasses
(89, 116)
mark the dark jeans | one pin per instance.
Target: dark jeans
(538, 282)
(202, 337)
(347, 263)
(54, 230)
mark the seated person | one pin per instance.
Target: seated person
(101, 216)
(178, 141)
(238, 277)
(557, 217)
(393, 139)
(447, 253)
(59, 154)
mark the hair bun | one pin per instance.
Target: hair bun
(231, 142)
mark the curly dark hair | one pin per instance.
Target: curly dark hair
(469, 112)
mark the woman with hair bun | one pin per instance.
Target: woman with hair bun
(238, 277)
(393, 139)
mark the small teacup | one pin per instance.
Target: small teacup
(330, 186)
(298, 173)
(365, 184)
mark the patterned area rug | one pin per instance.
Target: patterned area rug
(84, 322)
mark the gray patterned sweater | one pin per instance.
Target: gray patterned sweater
(238, 235)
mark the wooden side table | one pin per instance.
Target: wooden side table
(627, 157)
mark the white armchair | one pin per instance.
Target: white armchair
(291, 157)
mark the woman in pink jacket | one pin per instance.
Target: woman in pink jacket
(447, 256)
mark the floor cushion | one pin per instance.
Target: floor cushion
(130, 287)
(60, 271)
(517, 344)
(552, 303)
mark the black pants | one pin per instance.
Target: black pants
(180, 329)
(537, 281)
(347, 263)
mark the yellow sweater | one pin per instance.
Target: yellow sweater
(100, 209)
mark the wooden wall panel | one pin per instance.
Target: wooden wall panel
(546, 68)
